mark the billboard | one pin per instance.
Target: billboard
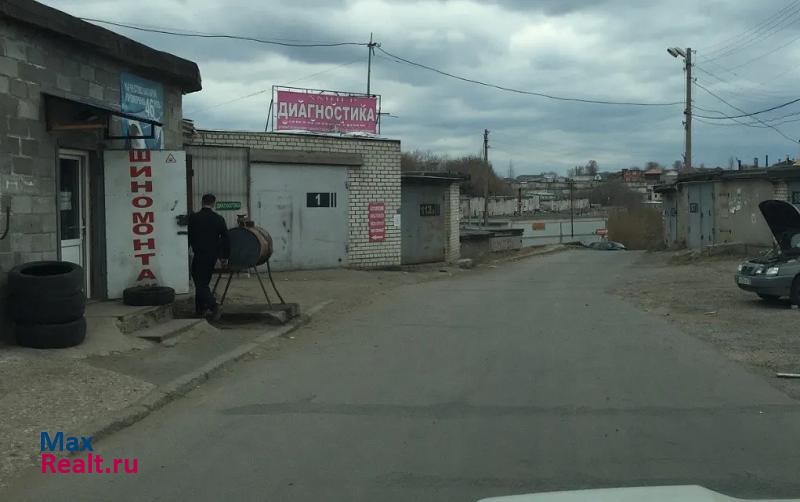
(142, 98)
(325, 111)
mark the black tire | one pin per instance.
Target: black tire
(148, 295)
(51, 336)
(794, 294)
(769, 298)
(59, 278)
(47, 309)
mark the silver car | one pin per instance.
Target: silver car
(776, 274)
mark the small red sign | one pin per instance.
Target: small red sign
(601, 231)
(377, 221)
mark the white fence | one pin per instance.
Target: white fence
(472, 207)
(498, 206)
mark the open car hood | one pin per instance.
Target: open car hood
(687, 493)
(784, 221)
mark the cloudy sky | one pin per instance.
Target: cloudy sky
(748, 54)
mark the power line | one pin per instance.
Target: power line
(231, 37)
(720, 46)
(782, 19)
(398, 59)
(262, 91)
(745, 113)
(760, 56)
(743, 92)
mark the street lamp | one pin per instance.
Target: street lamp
(687, 123)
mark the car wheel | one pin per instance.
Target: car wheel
(795, 292)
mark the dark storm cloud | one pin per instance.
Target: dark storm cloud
(607, 49)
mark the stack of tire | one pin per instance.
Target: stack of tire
(47, 302)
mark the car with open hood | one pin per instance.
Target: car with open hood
(776, 274)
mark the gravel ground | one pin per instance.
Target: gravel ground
(703, 300)
(43, 393)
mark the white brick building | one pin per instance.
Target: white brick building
(313, 193)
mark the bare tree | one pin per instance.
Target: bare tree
(652, 165)
(677, 165)
(591, 168)
(511, 173)
(575, 171)
(731, 162)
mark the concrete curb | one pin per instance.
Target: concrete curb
(508, 259)
(164, 394)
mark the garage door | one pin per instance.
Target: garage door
(304, 208)
(423, 223)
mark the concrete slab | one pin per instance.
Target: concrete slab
(168, 329)
(129, 318)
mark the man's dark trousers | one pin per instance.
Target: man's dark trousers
(202, 272)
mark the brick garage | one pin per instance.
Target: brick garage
(372, 167)
(55, 68)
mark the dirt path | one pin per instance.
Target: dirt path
(702, 298)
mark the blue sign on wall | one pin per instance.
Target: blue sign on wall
(142, 98)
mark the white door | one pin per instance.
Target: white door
(73, 208)
(145, 244)
(304, 208)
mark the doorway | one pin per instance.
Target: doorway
(73, 196)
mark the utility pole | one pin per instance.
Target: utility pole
(370, 49)
(688, 112)
(571, 211)
(486, 182)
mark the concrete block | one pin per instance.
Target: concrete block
(10, 145)
(30, 147)
(63, 83)
(4, 85)
(95, 91)
(36, 56)
(87, 72)
(28, 223)
(23, 243)
(80, 87)
(20, 127)
(16, 49)
(48, 223)
(27, 110)
(18, 88)
(43, 242)
(70, 68)
(22, 165)
(43, 205)
(21, 204)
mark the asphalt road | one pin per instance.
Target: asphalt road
(527, 377)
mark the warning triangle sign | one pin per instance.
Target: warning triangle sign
(171, 159)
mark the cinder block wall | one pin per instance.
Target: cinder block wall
(377, 180)
(452, 210)
(31, 63)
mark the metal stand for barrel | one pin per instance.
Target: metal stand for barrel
(255, 271)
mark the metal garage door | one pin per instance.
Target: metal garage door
(223, 172)
(304, 208)
(422, 223)
(701, 215)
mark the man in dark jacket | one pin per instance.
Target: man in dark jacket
(208, 236)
